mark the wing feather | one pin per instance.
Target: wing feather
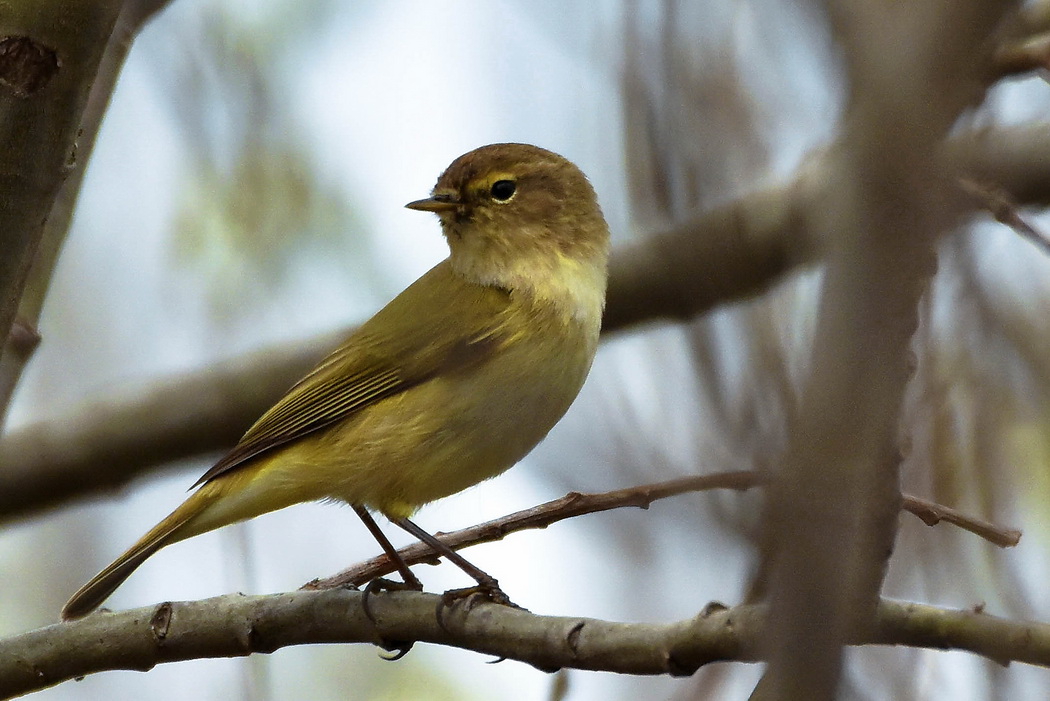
(405, 344)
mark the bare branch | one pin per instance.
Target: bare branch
(1032, 54)
(48, 61)
(569, 506)
(575, 504)
(932, 514)
(133, 14)
(236, 625)
(104, 445)
(1004, 209)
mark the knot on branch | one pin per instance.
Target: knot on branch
(26, 65)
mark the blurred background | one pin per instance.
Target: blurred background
(247, 190)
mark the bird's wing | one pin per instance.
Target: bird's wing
(404, 344)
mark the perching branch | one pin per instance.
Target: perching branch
(237, 626)
(569, 506)
(577, 504)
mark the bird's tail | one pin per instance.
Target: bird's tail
(177, 526)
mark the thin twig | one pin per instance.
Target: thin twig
(1005, 210)
(932, 514)
(576, 504)
(571, 505)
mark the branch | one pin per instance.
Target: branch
(840, 472)
(1001, 206)
(932, 514)
(133, 15)
(236, 626)
(577, 504)
(49, 56)
(104, 445)
(569, 506)
(1022, 57)
(1023, 43)
(743, 248)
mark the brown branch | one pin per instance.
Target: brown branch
(733, 252)
(569, 506)
(238, 625)
(102, 446)
(133, 15)
(1024, 42)
(576, 504)
(49, 57)
(840, 472)
(1001, 206)
(1022, 57)
(932, 514)
(1016, 159)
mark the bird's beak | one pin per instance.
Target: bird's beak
(437, 203)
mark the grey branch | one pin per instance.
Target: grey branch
(52, 235)
(49, 57)
(236, 626)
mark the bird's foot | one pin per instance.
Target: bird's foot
(472, 596)
(379, 585)
(400, 648)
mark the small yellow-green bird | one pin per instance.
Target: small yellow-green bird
(451, 383)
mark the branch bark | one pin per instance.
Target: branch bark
(576, 504)
(133, 15)
(237, 626)
(49, 57)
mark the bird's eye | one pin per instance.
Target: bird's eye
(503, 190)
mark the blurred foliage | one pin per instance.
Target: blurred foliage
(243, 229)
(253, 202)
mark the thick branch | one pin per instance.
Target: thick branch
(238, 625)
(15, 356)
(104, 445)
(49, 56)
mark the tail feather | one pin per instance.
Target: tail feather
(172, 529)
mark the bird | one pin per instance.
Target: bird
(450, 384)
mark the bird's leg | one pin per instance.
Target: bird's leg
(487, 584)
(411, 581)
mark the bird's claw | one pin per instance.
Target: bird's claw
(379, 585)
(472, 596)
(400, 648)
